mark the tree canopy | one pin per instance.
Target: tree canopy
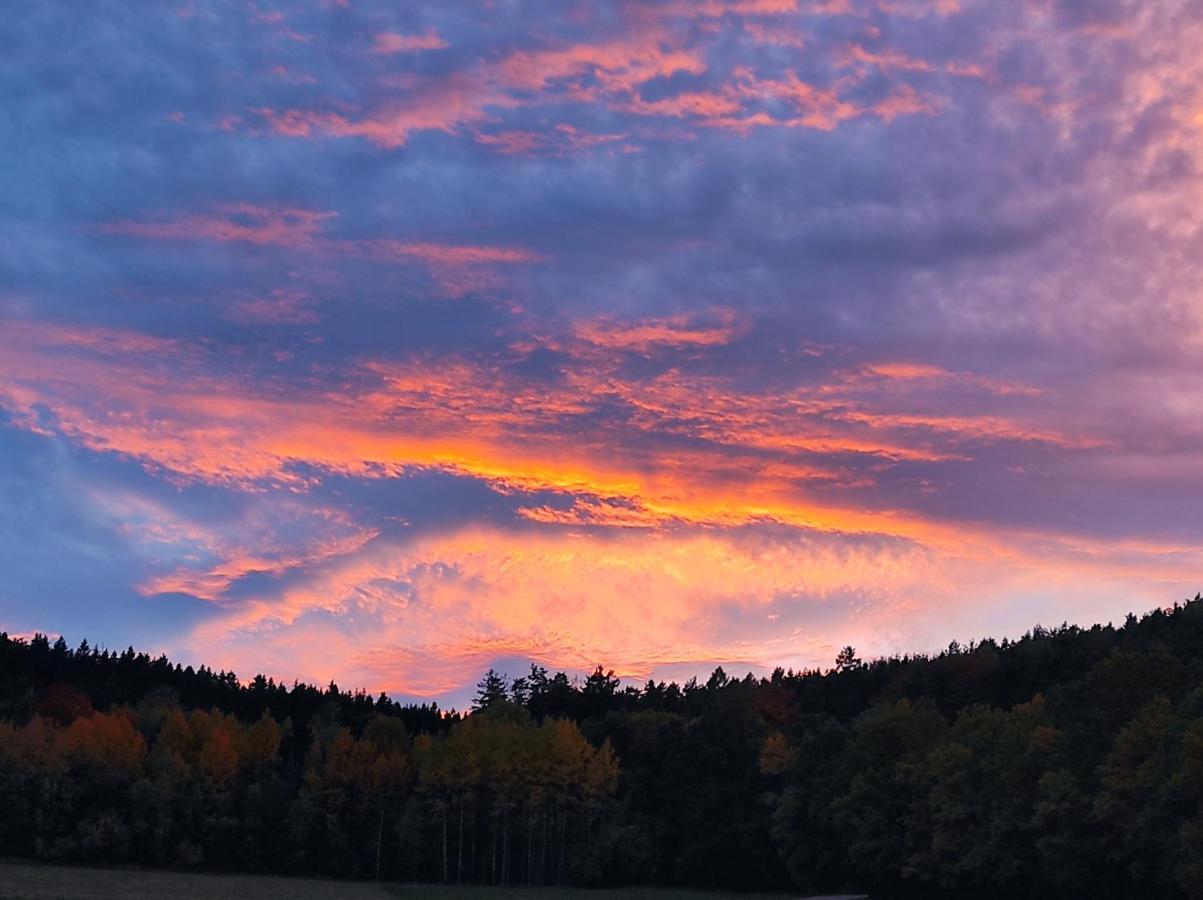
(1066, 763)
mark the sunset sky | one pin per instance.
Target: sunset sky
(387, 341)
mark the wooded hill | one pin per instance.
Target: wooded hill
(1067, 763)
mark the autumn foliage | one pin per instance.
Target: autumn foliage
(493, 797)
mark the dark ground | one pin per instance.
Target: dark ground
(23, 881)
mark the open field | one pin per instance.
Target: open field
(23, 881)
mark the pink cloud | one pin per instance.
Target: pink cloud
(619, 65)
(430, 105)
(609, 73)
(290, 76)
(563, 138)
(885, 59)
(715, 8)
(814, 107)
(387, 43)
(279, 308)
(445, 254)
(780, 37)
(456, 267)
(234, 222)
(969, 70)
(514, 142)
(277, 21)
(904, 101)
(677, 331)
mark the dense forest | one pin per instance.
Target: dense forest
(1066, 763)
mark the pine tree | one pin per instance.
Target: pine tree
(490, 690)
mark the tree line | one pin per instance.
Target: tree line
(1066, 763)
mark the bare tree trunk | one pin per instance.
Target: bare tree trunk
(459, 847)
(563, 845)
(505, 847)
(444, 843)
(413, 857)
(379, 841)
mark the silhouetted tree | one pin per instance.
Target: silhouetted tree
(490, 690)
(847, 659)
(1066, 763)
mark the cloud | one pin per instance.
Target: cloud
(457, 268)
(614, 73)
(279, 308)
(678, 331)
(677, 446)
(430, 105)
(329, 331)
(523, 595)
(424, 617)
(232, 223)
(388, 42)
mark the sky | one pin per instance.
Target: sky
(385, 341)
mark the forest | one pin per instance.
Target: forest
(1068, 762)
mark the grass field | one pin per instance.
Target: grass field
(21, 881)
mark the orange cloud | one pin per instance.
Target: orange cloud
(425, 616)
(652, 515)
(585, 511)
(526, 594)
(749, 457)
(677, 331)
(907, 371)
(911, 371)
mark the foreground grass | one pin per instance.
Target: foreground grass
(24, 881)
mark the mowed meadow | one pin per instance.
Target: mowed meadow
(20, 881)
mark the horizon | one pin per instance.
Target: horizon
(576, 678)
(384, 346)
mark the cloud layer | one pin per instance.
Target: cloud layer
(345, 340)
